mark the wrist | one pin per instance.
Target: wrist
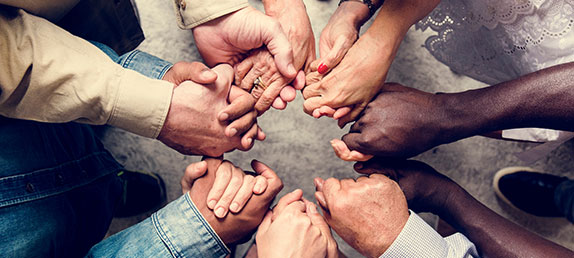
(473, 112)
(274, 7)
(353, 12)
(448, 202)
(460, 118)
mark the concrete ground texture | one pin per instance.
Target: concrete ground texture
(297, 145)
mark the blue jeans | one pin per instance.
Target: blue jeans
(564, 199)
(58, 189)
(58, 185)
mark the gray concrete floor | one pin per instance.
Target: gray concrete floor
(297, 145)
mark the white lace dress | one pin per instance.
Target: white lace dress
(499, 40)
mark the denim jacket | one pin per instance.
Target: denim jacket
(177, 230)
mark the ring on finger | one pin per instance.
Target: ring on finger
(258, 83)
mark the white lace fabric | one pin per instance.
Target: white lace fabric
(499, 40)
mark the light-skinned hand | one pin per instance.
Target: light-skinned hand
(229, 38)
(210, 119)
(368, 213)
(278, 93)
(232, 187)
(295, 229)
(293, 18)
(426, 189)
(234, 227)
(350, 85)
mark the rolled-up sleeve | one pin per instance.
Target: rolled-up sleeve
(418, 239)
(49, 75)
(177, 230)
(191, 13)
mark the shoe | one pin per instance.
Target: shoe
(528, 190)
(142, 192)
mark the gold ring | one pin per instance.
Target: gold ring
(258, 83)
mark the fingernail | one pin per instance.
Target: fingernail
(249, 140)
(232, 132)
(211, 204)
(234, 207)
(316, 113)
(312, 208)
(291, 69)
(257, 189)
(206, 73)
(223, 116)
(220, 212)
(322, 69)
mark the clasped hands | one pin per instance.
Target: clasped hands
(210, 116)
(368, 212)
(294, 227)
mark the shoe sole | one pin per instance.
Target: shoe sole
(504, 172)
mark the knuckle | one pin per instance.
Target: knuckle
(366, 140)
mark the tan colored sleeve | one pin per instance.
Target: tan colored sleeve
(52, 10)
(191, 13)
(49, 75)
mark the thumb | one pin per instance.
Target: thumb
(278, 45)
(334, 56)
(287, 199)
(192, 172)
(343, 152)
(224, 77)
(316, 218)
(186, 71)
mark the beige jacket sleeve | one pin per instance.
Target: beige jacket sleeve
(49, 75)
(191, 13)
(52, 10)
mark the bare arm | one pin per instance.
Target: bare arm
(429, 191)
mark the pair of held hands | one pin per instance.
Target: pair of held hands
(209, 116)
(236, 203)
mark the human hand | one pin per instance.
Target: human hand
(401, 122)
(426, 189)
(295, 229)
(278, 93)
(292, 15)
(293, 18)
(229, 38)
(235, 227)
(186, 71)
(342, 88)
(339, 35)
(368, 213)
(212, 119)
(231, 189)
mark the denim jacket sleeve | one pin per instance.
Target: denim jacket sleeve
(418, 239)
(177, 230)
(136, 60)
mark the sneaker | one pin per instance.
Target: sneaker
(142, 192)
(528, 190)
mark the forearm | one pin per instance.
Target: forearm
(394, 20)
(493, 235)
(540, 99)
(49, 75)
